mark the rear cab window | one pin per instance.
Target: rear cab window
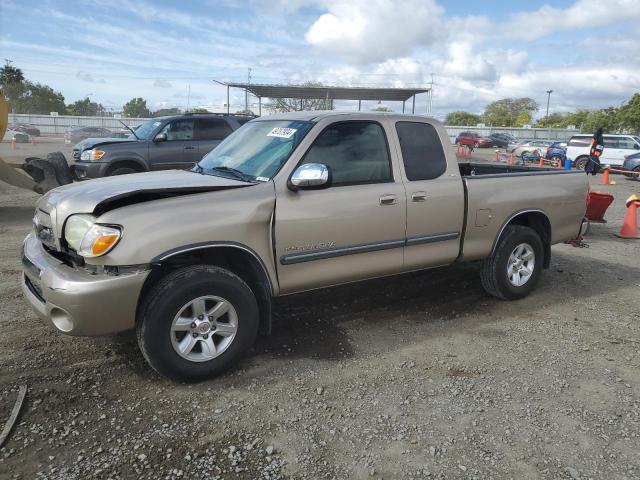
(422, 152)
(213, 129)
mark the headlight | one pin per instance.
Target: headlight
(88, 238)
(92, 155)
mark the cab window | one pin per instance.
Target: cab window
(356, 152)
(179, 130)
(422, 152)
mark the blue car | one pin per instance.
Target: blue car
(632, 163)
(556, 152)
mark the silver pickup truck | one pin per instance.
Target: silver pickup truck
(287, 203)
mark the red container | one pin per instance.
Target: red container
(597, 206)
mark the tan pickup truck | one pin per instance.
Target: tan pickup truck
(287, 203)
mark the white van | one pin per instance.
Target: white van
(616, 147)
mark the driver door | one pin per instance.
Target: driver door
(353, 230)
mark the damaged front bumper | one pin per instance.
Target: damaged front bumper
(76, 301)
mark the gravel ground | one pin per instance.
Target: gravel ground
(418, 376)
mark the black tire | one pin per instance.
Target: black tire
(61, 167)
(493, 273)
(163, 302)
(121, 171)
(581, 162)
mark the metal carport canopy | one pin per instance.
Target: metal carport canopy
(331, 93)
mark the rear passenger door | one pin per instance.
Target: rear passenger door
(435, 197)
(179, 150)
(211, 131)
(352, 230)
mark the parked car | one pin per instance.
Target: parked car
(556, 152)
(178, 141)
(288, 203)
(501, 140)
(77, 134)
(26, 128)
(616, 148)
(473, 139)
(19, 137)
(632, 163)
(526, 147)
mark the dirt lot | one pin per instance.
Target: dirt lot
(421, 376)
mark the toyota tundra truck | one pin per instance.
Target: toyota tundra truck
(288, 203)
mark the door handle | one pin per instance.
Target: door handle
(189, 147)
(419, 196)
(387, 199)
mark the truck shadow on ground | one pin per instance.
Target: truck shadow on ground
(317, 325)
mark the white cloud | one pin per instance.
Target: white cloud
(370, 30)
(160, 83)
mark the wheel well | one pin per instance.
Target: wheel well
(125, 164)
(539, 222)
(236, 260)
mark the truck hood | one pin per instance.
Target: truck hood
(89, 143)
(103, 194)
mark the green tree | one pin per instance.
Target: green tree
(163, 112)
(136, 107)
(12, 84)
(85, 107)
(382, 108)
(462, 119)
(245, 112)
(38, 98)
(199, 110)
(523, 118)
(629, 114)
(606, 118)
(504, 113)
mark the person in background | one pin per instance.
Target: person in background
(595, 151)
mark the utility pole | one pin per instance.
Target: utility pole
(431, 95)
(246, 92)
(188, 95)
(549, 92)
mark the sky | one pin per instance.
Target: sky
(586, 51)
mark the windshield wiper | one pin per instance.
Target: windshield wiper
(235, 173)
(130, 129)
(197, 168)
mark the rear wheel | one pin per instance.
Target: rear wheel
(581, 162)
(556, 159)
(197, 322)
(513, 269)
(633, 177)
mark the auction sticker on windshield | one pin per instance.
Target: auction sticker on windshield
(281, 132)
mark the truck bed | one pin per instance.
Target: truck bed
(471, 169)
(497, 193)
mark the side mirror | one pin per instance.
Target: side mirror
(311, 176)
(636, 146)
(161, 137)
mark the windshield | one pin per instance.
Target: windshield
(144, 131)
(257, 150)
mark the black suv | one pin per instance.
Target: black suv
(161, 143)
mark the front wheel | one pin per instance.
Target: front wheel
(633, 177)
(514, 267)
(197, 322)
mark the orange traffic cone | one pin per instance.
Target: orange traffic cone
(497, 156)
(630, 224)
(13, 144)
(33, 140)
(541, 162)
(605, 176)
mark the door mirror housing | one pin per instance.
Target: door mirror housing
(636, 146)
(161, 137)
(311, 176)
